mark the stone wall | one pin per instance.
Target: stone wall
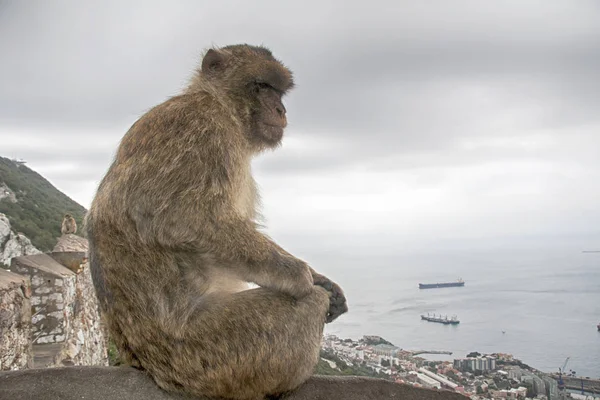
(63, 314)
(53, 287)
(15, 322)
(85, 343)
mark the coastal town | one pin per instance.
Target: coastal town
(478, 376)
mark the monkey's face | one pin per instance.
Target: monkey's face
(256, 82)
(268, 115)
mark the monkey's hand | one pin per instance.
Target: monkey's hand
(337, 299)
(293, 276)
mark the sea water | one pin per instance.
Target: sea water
(540, 304)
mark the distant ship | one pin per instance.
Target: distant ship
(440, 320)
(459, 282)
(598, 327)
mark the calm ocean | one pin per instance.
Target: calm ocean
(547, 301)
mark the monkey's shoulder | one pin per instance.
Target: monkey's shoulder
(192, 119)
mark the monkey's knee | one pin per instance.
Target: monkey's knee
(317, 303)
(321, 296)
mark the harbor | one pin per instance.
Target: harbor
(579, 384)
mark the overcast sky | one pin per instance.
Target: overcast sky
(412, 121)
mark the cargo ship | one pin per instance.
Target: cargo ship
(440, 320)
(459, 282)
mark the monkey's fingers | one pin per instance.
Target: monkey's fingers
(325, 283)
(337, 304)
(337, 299)
(336, 309)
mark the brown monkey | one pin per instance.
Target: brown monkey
(68, 225)
(174, 242)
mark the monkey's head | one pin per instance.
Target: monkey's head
(68, 216)
(255, 82)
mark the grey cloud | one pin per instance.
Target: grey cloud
(390, 84)
(91, 64)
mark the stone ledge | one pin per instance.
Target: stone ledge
(70, 259)
(41, 262)
(11, 280)
(123, 383)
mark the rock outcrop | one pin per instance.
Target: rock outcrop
(71, 243)
(123, 383)
(4, 230)
(7, 194)
(13, 244)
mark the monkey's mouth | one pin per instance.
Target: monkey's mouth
(272, 133)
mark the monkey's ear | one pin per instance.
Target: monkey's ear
(213, 60)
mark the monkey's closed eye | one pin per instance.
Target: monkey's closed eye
(258, 86)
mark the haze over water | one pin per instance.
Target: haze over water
(546, 300)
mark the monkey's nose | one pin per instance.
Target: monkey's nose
(280, 110)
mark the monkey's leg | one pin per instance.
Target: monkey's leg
(244, 345)
(125, 353)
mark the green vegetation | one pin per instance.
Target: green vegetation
(515, 362)
(323, 367)
(113, 354)
(40, 207)
(375, 342)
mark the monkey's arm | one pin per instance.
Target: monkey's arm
(244, 233)
(246, 237)
(232, 242)
(337, 304)
(239, 244)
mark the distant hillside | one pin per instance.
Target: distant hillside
(33, 206)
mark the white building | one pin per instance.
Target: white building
(443, 380)
(426, 381)
(385, 350)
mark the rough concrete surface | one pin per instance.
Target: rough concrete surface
(123, 383)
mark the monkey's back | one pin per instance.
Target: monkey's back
(168, 156)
